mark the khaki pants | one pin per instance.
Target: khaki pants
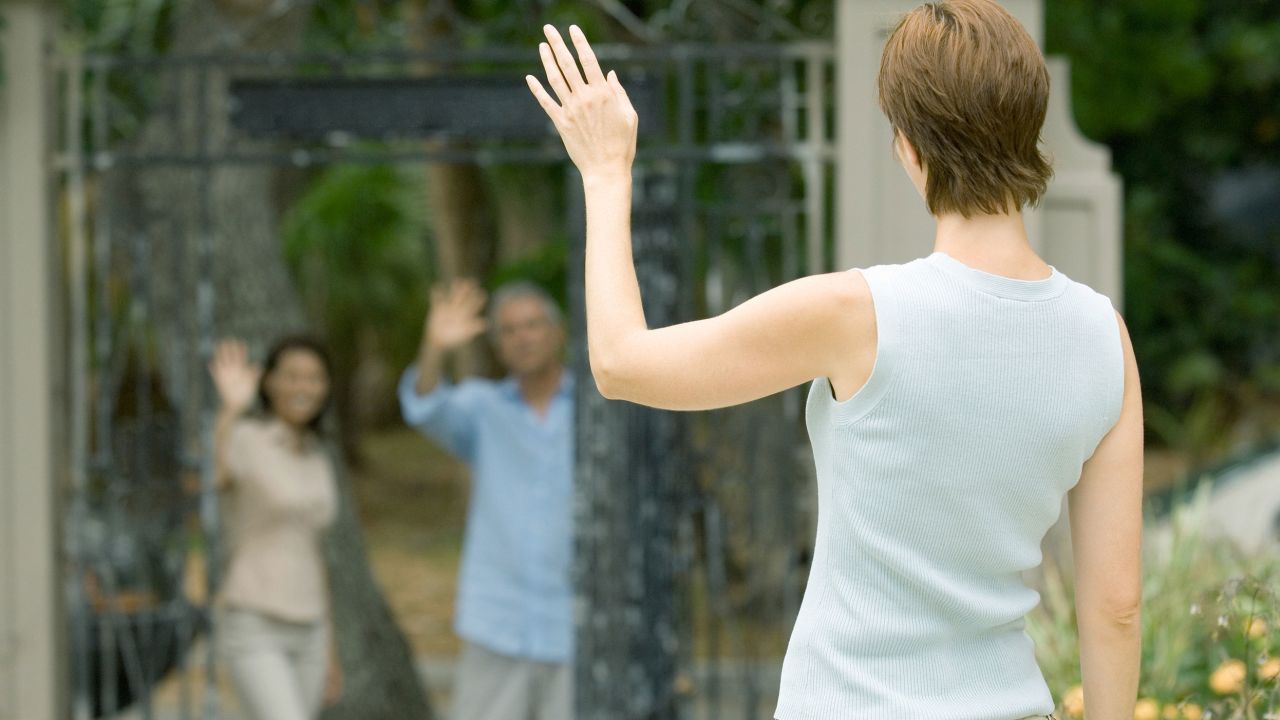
(492, 686)
(277, 667)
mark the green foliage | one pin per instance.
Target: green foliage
(548, 267)
(128, 28)
(353, 26)
(1183, 92)
(123, 26)
(355, 243)
(347, 25)
(1200, 598)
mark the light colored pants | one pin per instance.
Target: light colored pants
(492, 686)
(278, 668)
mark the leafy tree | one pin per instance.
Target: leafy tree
(1186, 93)
(355, 245)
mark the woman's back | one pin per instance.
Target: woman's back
(937, 482)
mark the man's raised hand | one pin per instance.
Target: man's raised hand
(455, 317)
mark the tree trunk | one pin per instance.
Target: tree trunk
(253, 297)
(631, 475)
(525, 201)
(457, 197)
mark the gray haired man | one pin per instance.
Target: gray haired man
(514, 606)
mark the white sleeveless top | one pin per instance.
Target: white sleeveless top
(937, 482)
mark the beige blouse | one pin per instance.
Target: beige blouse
(280, 500)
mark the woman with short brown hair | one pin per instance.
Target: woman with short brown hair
(954, 400)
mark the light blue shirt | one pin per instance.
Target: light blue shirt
(515, 596)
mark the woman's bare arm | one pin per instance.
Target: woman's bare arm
(237, 384)
(791, 334)
(1106, 538)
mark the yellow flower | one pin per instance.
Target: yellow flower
(1191, 711)
(1146, 709)
(1269, 670)
(1073, 702)
(1170, 712)
(1257, 628)
(1228, 678)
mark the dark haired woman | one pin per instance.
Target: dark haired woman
(278, 499)
(954, 400)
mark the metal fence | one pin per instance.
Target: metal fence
(735, 180)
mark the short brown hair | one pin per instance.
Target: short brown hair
(966, 84)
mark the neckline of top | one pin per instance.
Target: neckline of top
(1001, 285)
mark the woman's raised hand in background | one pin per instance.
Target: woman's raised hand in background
(235, 378)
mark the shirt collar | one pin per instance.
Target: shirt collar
(511, 386)
(281, 434)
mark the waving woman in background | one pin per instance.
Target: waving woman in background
(278, 498)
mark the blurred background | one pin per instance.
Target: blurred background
(176, 171)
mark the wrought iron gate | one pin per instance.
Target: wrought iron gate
(734, 193)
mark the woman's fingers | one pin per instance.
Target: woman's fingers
(617, 86)
(548, 105)
(563, 58)
(621, 91)
(555, 77)
(586, 56)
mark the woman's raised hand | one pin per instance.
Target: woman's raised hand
(455, 317)
(235, 378)
(594, 117)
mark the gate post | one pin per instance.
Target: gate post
(629, 478)
(32, 651)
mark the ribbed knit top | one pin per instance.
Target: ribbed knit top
(937, 482)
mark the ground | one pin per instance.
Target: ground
(412, 500)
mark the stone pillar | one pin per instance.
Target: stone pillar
(32, 652)
(631, 478)
(1083, 212)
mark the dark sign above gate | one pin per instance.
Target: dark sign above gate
(477, 107)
